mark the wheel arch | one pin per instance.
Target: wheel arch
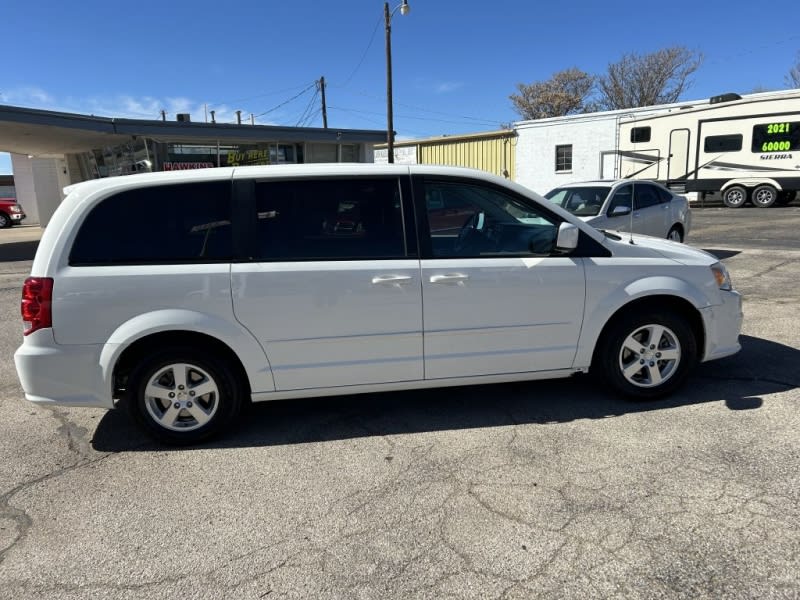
(750, 182)
(680, 227)
(658, 302)
(171, 327)
(133, 354)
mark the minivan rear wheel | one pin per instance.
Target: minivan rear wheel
(647, 355)
(183, 396)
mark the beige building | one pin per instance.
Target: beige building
(493, 151)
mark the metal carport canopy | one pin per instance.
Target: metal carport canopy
(44, 133)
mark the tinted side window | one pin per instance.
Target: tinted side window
(723, 143)
(646, 196)
(330, 219)
(666, 195)
(158, 224)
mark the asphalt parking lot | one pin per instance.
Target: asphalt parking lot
(537, 490)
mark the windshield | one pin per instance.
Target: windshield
(580, 201)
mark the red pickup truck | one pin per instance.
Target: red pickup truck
(11, 212)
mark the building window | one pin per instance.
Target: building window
(349, 153)
(564, 158)
(723, 143)
(640, 134)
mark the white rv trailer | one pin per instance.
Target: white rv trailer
(745, 148)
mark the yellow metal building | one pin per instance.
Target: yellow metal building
(493, 151)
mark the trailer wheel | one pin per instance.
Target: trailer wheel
(734, 197)
(764, 196)
(785, 198)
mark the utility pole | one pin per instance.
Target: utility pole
(389, 116)
(324, 105)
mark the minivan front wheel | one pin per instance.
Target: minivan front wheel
(183, 396)
(647, 355)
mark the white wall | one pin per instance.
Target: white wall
(536, 150)
(22, 167)
(39, 183)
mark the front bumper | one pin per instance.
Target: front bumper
(17, 217)
(61, 374)
(723, 324)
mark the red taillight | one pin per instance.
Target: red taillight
(36, 306)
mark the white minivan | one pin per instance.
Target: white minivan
(183, 295)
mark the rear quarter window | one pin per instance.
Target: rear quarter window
(182, 223)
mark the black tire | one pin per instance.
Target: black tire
(5, 221)
(198, 368)
(764, 196)
(785, 197)
(734, 197)
(614, 358)
(675, 234)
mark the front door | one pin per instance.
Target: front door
(678, 154)
(333, 295)
(495, 299)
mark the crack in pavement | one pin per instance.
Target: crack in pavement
(75, 437)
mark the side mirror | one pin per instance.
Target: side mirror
(620, 210)
(567, 239)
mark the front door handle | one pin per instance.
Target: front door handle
(391, 279)
(449, 278)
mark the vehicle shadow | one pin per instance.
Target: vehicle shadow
(18, 251)
(762, 367)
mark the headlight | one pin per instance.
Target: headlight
(721, 276)
(15, 208)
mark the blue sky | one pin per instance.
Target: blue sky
(455, 63)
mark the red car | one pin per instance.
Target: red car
(11, 212)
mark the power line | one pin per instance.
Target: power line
(264, 95)
(409, 116)
(427, 110)
(308, 108)
(295, 97)
(363, 56)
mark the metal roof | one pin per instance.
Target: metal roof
(43, 132)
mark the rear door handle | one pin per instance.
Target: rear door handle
(391, 279)
(449, 278)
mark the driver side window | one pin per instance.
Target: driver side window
(468, 220)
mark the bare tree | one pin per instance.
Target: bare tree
(793, 77)
(647, 79)
(565, 93)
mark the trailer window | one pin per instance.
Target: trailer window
(723, 143)
(776, 137)
(640, 134)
